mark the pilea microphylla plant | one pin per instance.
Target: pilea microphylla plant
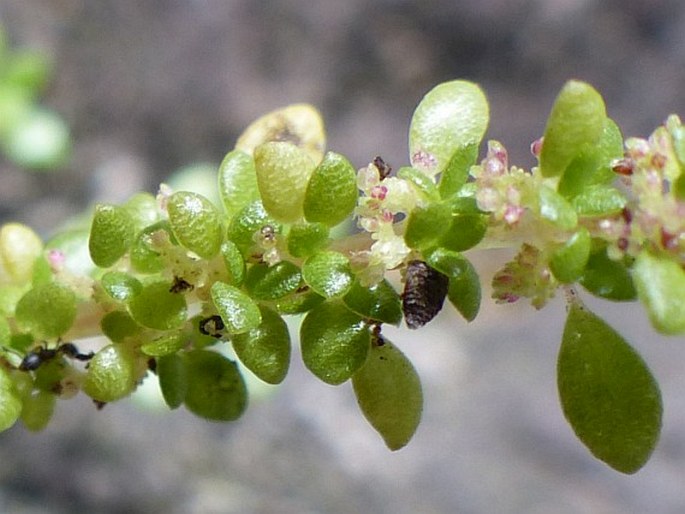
(171, 281)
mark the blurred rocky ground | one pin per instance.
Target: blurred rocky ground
(150, 86)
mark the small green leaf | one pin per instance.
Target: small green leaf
(265, 282)
(426, 225)
(555, 209)
(163, 345)
(465, 231)
(20, 246)
(303, 300)
(118, 325)
(237, 181)
(455, 175)
(37, 409)
(332, 192)
(660, 286)
(121, 286)
(215, 388)
(379, 302)
(334, 341)
(248, 221)
(328, 273)
(452, 115)
(195, 223)
(235, 264)
(389, 394)
(143, 210)
(237, 310)
(173, 379)
(424, 183)
(111, 374)
(568, 262)
(576, 121)
(47, 311)
(265, 350)
(144, 258)
(10, 403)
(607, 278)
(607, 393)
(111, 234)
(157, 307)
(599, 200)
(283, 171)
(464, 290)
(305, 239)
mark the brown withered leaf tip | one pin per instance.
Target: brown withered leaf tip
(424, 293)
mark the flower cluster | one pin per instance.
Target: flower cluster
(383, 199)
(526, 276)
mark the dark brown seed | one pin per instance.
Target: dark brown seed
(424, 293)
(384, 169)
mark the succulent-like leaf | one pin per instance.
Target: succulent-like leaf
(332, 192)
(237, 310)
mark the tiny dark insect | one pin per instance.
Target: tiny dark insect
(180, 285)
(34, 359)
(384, 169)
(212, 326)
(424, 293)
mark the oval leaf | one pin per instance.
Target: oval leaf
(157, 307)
(237, 310)
(452, 115)
(265, 282)
(111, 234)
(195, 223)
(379, 302)
(332, 192)
(334, 341)
(568, 262)
(389, 393)
(237, 181)
(47, 311)
(661, 287)
(328, 273)
(607, 392)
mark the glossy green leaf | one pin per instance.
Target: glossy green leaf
(328, 273)
(555, 209)
(608, 278)
(426, 225)
(599, 200)
(196, 223)
(607, 392)
(237, 310)
(46, 311)
(144, 257)
(246, 223)
(143, 210)
(305, 239)
(173, 379)
(464, 290)
(120, 286)
(465, 231)
(163, 345)
(111, 234)
(216, 389)
(389, 394)
(237, 181)
(303, 300)
(235, 264)
(423, 182)
(10, 403)
(455, 175)
(265, 350)
(265, 282)
(576, 121)
(331, 193)
(568, 262)
(111, 374)
(20, 246)
(379, 302)
(37, 409)
(157, 307)
(334, 341)
(452, 115)
(118, 325)
(283, 171)
(660, 286)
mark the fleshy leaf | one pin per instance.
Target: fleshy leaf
(455, 175)
(111, 374)
(332, 192)
(426, 225)
(568, 262)
(576, 121)
(283, 171)
(389, 394)
(607, 278)
(265, 282)
(237, 310)
(607, 393)
(379, 302)
(305, 239)
(248, 221)
(10, 403)
(334, 341)
(555, 209)
(157, 307)
(195, 223)
(463, 290)
(235, 264)
(598, 200)
(661, 287)
(452, 115)
(47, 311)
(328, 273)
(20, 246)
(265, 350)
(111, 234)
(237, 181)
(173, 379)
(216, 389)
(121, 286)
(425, 184)
(465, 231)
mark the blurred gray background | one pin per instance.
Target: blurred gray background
(149, 86)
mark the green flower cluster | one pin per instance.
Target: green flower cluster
(171, 280)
